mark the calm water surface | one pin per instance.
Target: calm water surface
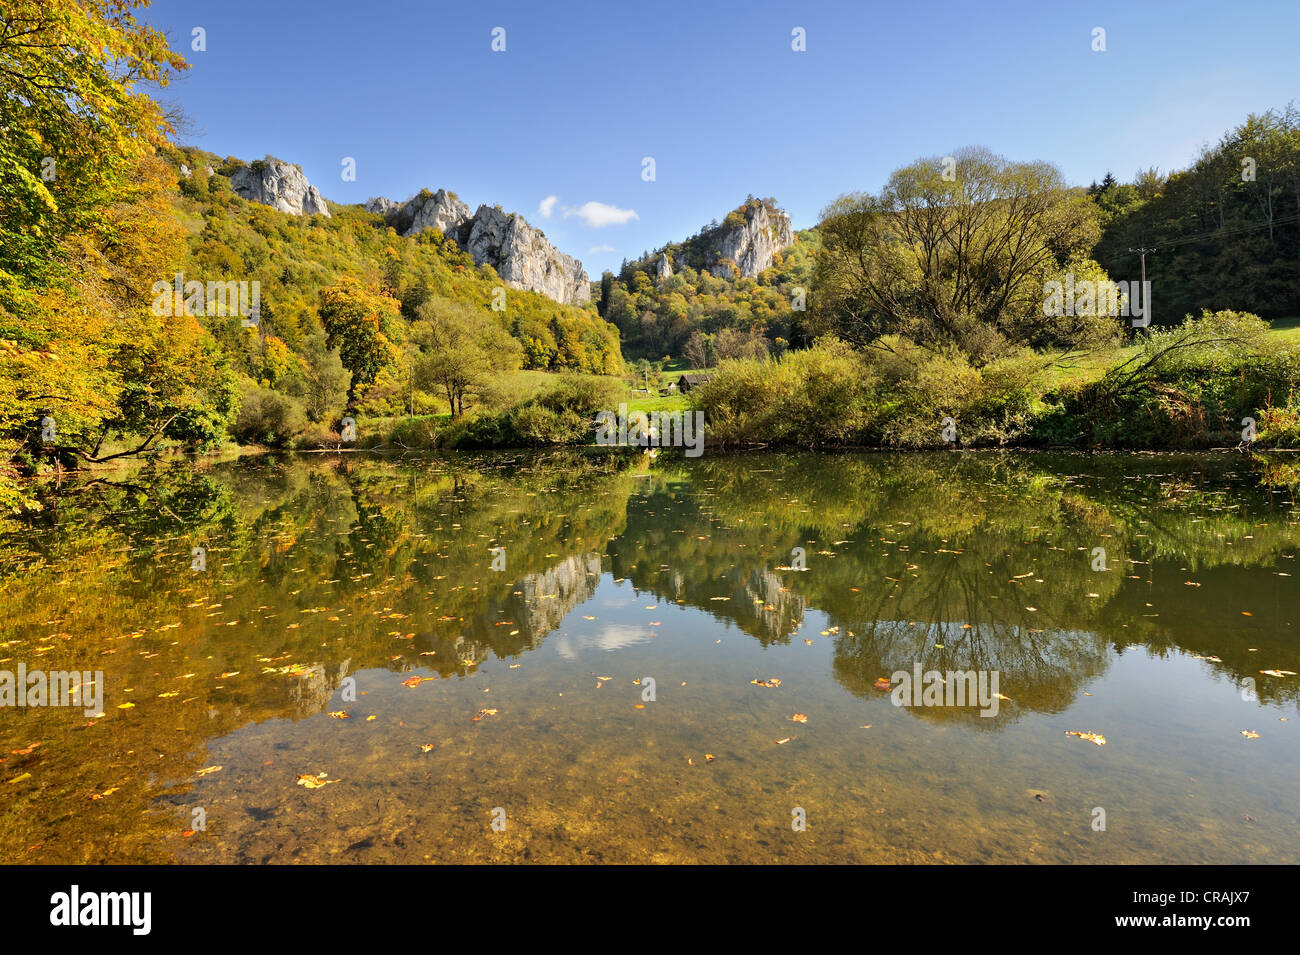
(330, 584)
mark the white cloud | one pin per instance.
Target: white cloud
(597, 214)
(547, 206)
(601, 248)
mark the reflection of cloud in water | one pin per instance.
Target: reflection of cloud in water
(612, 636)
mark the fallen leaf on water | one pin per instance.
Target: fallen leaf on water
(689, 761)
(106, 792)
(799, 718)
(1090, 737)
(882, 683)
(26, 750)
(18, 779)
(482, 713)
(315, 782)
(125, 706)
(807, 642)
(340, 715)
(413, 681)
(1278, 672)
(999, 696)
(187, 833)
(769, 682)
(371, 717)
(426, 747)
(640, 706)
(786, 740)
(208, 769)
(709, 757)
(1250, 734)
(867, 727)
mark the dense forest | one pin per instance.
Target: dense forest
(1226, 230)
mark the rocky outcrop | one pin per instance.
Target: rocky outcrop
(280, 185)
(385, 207)
(521, 255)
(751, 245)
(442, 211)
(665, 268)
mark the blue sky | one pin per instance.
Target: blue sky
(714, 93)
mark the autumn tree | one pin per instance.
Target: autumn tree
(956, 255)
(360, 323)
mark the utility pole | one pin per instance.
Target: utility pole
(1147, 298)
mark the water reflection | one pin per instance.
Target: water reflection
(322, 570)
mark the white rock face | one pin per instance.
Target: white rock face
(443, 212)
(753, 245)
(523, 258)
(385, 207)
(279, 185)
(664, 268)
(185, 171)
(521, 254)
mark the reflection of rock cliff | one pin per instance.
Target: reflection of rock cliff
(537, 605)
(312, 689)
(546, 598)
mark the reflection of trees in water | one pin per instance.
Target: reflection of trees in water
(992, 553)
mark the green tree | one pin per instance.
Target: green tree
(358, 322)
(466, 352)
(954, 255)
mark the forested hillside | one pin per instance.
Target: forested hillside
(1226, 230)
(689, 299)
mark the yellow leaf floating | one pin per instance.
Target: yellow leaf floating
(769, 682)
(341, 715)
(799, 718)
(1090, 737)
(315, 782)
(208, 769)
(1250, 734)
(1278, 672)
(482, 713)
(125, 706)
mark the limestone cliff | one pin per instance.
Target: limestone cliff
(521, 255)
(749, 238)
(280, 185)
(745, 243)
